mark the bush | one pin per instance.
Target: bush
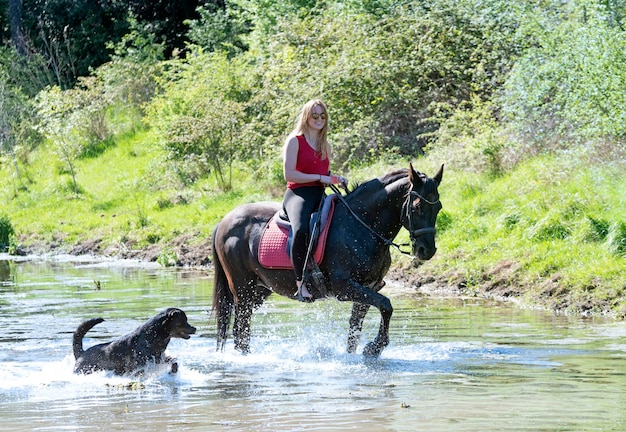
(569, 87)
(471, 137)
(17, 118)
(199, 114)
(7, 233)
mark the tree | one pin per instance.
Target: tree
(57, 125)
(570, 85)
(73, 34)
(15, 23)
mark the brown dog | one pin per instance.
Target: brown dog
(132, 351)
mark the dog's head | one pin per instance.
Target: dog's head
(177, 325)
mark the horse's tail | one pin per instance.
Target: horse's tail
(79, 334)
(223, 300)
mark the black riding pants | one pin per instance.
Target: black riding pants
(299, 203)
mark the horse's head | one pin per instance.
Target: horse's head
(420, 212)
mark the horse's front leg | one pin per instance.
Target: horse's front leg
(358, 293)
(359, 310)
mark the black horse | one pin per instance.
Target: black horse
(357, 253)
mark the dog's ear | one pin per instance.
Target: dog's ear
(174, 313)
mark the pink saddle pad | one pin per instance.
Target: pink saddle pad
(273, 245)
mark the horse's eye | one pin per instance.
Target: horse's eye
(418, 207)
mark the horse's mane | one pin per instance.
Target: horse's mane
(394, 176)
(378, 183)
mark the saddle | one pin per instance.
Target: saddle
(273, 248)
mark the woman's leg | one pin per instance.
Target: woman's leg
(299, 204)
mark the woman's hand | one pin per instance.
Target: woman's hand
(333, 179)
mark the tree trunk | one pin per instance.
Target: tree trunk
(15, 22)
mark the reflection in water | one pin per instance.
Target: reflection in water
(5, 271)
(453, 364)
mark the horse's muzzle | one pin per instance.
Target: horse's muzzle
(424, 254)
(422, 248)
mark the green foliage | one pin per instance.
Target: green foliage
(139, 45)
(167, 258)
(617, 238)
(17, 134)
(6, 232)
(28, 75)
(198, 114)
(552, 227)
(74, 121)
(129, 79)
(384, 69)
(598, 229)
(219, 29)
(73, 35)
(471, 137)
(570, 85)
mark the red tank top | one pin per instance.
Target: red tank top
(309, 161)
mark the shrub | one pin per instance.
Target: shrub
(569, 87)
(199, 114)
(167, 258)
(6, 233)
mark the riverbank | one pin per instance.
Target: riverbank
(405, 275)
(550, 233)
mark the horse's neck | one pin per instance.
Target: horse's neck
(381, 208)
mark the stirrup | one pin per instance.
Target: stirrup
(303, 299)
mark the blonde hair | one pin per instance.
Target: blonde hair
(302, 126)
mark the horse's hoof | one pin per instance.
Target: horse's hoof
(372, 350)
(243, 350)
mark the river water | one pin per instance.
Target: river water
(452, 364)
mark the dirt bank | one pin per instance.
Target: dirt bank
(500, 283)
(183, 251)
(187, 251)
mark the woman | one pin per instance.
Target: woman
(306, 170)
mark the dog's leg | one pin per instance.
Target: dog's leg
(173, 362)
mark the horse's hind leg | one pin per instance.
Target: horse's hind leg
(223, 322)
(359, 311)
(241, 328)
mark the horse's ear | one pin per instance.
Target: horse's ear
(439, 176)
(414, 176)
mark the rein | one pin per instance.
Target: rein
(389, 242)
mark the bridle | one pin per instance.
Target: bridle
(408, 203)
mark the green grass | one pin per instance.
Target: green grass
(125, 197)
(551, 232)
(551, 220)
